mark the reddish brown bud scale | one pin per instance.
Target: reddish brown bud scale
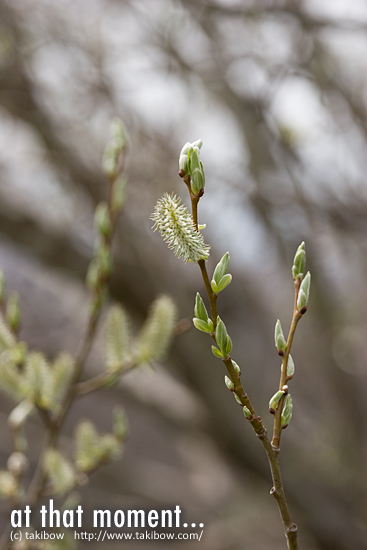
(280, 352)
(303, 310)
(181, 173)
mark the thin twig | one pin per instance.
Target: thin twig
(277, 491)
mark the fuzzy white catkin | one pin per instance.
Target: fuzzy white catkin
(176, 226)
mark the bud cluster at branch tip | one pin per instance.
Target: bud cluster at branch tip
(191, 165)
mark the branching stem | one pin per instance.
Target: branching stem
(277, 491)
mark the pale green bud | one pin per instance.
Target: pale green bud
(236, 368)
(290, 367)
(200, 309)
(299, 262)
(194, 159)
(247, 413)
(198, 143)
(197, 181)
(280, 342)
(223, 340)
(201, 320)
(13, 316)
(185, 148)
(220, 277)
(203, 326)
(304, 292)
(216, 352)
(102, 219)
(237, 399)
(274, 401)
(183, 163)
(228, 383)
(287, 411)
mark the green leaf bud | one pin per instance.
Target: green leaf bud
(203, 326)
(13, 316)
(216, 352)
(274, 401)
(299, 262)
(290, 367)
(183, 163)
(287, 411)
(220, 277)
(301, 300)
(223, 340)
(197, 181)
(236, 368)
(200, 309)
(280, 342)
(198, 143)
(185, 148)
(228, 383)
(247, 413)
(304, 292)
(102, 219)
(194, 159)
(237, 399)
(224, 282)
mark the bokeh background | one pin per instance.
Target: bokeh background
(277, 90)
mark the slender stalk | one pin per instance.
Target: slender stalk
(277, 491)
(277, 430)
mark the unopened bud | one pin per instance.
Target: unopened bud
(274, 401)
(280, 342)
(229, 383)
